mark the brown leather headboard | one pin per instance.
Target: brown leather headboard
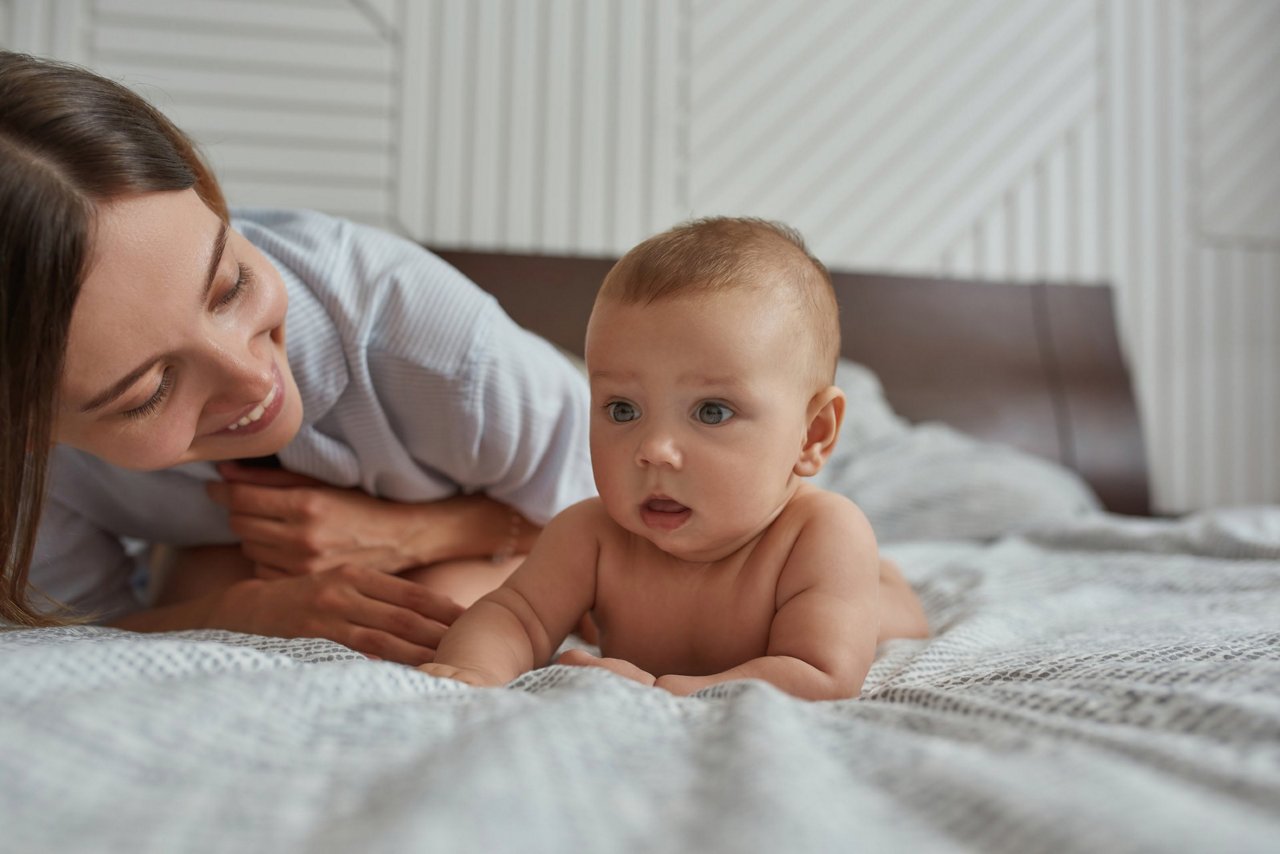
(1035, 366)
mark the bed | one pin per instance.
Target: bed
(1099, 679)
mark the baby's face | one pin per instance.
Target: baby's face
(698, 418)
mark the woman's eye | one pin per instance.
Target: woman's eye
(713, 413)
(153, 403)
(620, 412)
(243, 280)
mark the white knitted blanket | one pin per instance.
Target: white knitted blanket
(1097, 685)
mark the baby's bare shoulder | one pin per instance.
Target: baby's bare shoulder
(577, 528)
(833, 540)
(587, 521)
(813, 508)
(588, 512)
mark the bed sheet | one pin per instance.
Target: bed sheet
(1098, 684)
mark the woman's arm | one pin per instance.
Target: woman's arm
(295, 524)
(381, 615)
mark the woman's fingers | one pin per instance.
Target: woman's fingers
(396, 621)
(260, 529)
(269, 554)
(269, 573)
(249, 499)
(372, 615)
(390, 623)
(395, 590)
(386, 646)
(356, 607)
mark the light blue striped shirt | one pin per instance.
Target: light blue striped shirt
(415, 386)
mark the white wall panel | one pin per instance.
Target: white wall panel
(1238, 120)
(232, 85)
(334, 18)
(294, 105)
(551, 123)
(318, 56)
(49, 27)
(884, 130)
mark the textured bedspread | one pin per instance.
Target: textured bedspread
(1104, 685)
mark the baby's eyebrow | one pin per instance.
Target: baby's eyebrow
(612, 375)
(704, 380)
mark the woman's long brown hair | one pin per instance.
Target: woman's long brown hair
(70, 141)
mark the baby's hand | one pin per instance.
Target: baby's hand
(581, 658)
(479, 678)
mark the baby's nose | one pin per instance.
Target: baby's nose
(659, 449)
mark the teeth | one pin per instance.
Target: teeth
(256, 412)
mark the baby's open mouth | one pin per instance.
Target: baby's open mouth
(664, 505)
(666, 514)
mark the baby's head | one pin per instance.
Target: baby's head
(724, 255)
(711, 352)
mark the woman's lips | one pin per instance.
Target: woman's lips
(266, 410)
(664, 514)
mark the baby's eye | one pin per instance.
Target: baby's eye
(621, 412)
(713, 413)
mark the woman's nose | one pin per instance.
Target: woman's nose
(245, 375)
(658, 448)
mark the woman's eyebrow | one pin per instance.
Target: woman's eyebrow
(120, 387)
(215, 260)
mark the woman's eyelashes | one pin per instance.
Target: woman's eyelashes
(153, 403)
(244, 279)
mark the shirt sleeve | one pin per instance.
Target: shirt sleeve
(441, 391)
(80, 565)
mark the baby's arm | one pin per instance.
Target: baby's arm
(517, 627)
(823, 637)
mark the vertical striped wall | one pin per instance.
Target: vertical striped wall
(551, 125)
(1129, 141)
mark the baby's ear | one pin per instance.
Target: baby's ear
(826, 413)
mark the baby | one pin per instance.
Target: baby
(711, 351)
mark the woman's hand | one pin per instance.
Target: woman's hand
(380, 615)
(291, 524)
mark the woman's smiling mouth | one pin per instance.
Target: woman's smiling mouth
(260, 416)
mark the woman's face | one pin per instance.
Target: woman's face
(176, 350)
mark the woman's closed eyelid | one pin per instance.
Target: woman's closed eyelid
(157, 398)
(244, 279)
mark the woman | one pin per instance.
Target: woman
(420, 431)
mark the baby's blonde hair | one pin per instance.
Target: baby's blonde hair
(717, 254)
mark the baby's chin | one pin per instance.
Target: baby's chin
(694, 548)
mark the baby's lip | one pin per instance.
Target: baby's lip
(663, 504)
(661, 513)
